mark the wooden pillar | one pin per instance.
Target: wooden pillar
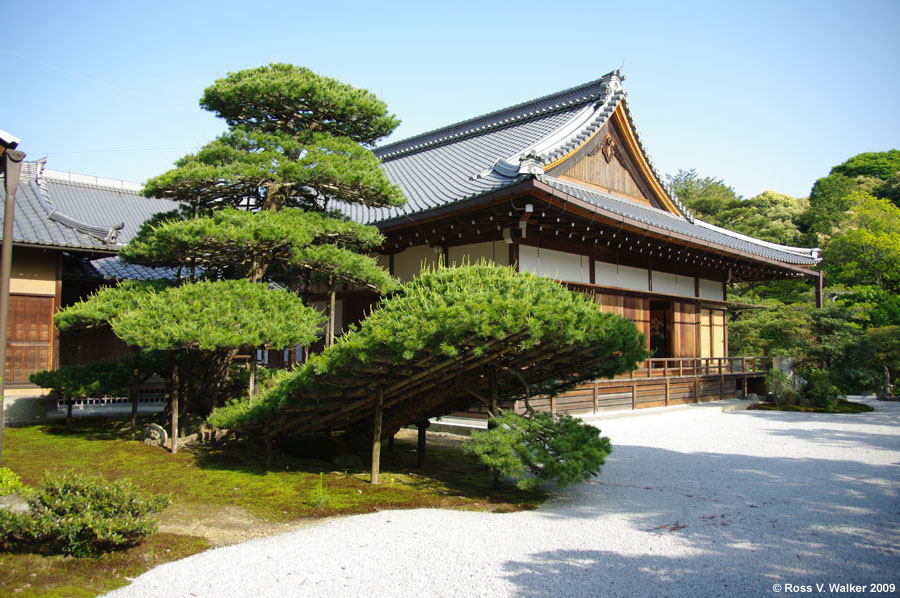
(697, 389)
(667, 391)
(721, 386)
(596, 397)
(376, 437)
(494, 407)
(634, 395)
(553, 405)
(420, 448)
(174, 391)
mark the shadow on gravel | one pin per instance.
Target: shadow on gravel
(758, 519)
(885, 426)
(576, 573)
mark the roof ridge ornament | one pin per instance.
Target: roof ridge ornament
(531, 163)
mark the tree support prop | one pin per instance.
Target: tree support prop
(376, 437)
(420, 448)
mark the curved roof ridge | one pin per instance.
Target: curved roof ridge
(86, 180)
(801, 251)
(541, 106)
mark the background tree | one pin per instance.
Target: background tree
(708, 198)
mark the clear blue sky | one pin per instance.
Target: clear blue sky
(763, 94)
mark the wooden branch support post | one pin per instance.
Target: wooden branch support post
(376, 437)
(174, 392)
(420, 447)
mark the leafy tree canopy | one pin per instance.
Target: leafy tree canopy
(211, 316)
(540, 448)
(294, 100)
(880, 165)
(866, 249)
(537, 334)
(294, 140)
(770, 216)
(283, 245)
(106, 303)
(706, 197)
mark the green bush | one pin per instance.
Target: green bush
(10, 482)
(540, 448)
(81, 516)
(785, 391)
(820, 391)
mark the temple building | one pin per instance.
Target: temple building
(562, 186)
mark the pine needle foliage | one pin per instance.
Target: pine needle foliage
(541, 448)
(296, 139)
(216, 315)
(531, 329)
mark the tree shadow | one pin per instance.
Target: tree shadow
(740, 523)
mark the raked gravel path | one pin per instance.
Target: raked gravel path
(693, 502)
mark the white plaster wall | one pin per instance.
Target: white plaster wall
(711, 289)
(496, 252)
(554, 264)
(664, 282)
(686, 286)
(634, 278)
(408, 263)
(606, 274)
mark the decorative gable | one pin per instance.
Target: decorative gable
(612, 161)
(602, 167)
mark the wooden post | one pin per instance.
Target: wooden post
(174, 391)
(667, 392)
(634, 395)
(553, 405)
(696, 389)
(376, 437)
(745, 386)
(596, 397)
(721, 386)
(420, 448)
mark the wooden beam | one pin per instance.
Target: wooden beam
(376, 437)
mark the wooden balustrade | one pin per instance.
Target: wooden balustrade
(697, 366)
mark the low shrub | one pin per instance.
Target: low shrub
(540, 448)
(820, 391)
(81, 516)
(10, 482)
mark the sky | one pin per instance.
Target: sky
(765, 95)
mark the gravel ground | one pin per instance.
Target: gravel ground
(692, 502)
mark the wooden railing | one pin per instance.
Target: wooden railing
(696, 366)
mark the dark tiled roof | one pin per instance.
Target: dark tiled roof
(77, 212)
(488, 153)
(112, 268)
(697, 229)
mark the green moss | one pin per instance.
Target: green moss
(296, 488)
(52, 576)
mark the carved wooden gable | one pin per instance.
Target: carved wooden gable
(613, 162)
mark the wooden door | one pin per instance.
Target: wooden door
(29, 346)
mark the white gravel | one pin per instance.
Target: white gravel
(692, 502)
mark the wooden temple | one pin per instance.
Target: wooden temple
(562, 186)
